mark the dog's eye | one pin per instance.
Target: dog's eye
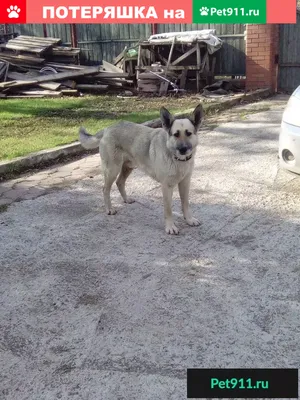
(176, 134)
(188, 133)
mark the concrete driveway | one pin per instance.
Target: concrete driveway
(110, 307)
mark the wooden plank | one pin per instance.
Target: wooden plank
(46, 93)
(204, 65)
(69, 83)
(52, 77)
(30, 43)
(234, 35)
(64, 51)
(111, 78)
(139, 61)
(107, 67)
(4, 72)
(70, 92)
(61, 49)
(3, 67)
(93, 88)
(149, 88)
(120, 56)
(174, 68)
(21, 58)
(37, 50)
(70, 67)
(25, 67)
(68, 74)
(48, 39)
(15, 76)
(50, 85)
(171, 52)
(198, 66)
(24, 77)
(183, 79)
(163, 90)
(23, 96)
(211, 72)
(185, 55)
(112, 82)
(10, 84)
(166, 43)
(102, 75)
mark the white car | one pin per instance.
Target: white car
(289, 139)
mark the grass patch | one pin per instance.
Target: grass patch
(243, 113)
(30, 125)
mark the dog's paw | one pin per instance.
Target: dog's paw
(129, 200)
(111, 211)
(172, 229)
(192, 221)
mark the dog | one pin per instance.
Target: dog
(165, 154)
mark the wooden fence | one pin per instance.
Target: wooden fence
(105, 41)
(289, 56)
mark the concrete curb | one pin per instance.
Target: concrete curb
(51, 156)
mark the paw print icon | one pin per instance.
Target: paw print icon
(13, 12)
(204, 11)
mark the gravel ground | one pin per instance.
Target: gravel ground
(110, 307)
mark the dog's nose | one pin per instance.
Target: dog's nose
(183, 149)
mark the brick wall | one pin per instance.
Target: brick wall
(262, 46)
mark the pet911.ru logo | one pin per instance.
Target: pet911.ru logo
(227, 12)
(13, 12)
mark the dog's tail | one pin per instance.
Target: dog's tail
(89, 141)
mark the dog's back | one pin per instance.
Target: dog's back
(136, 140)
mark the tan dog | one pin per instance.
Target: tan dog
(165, 154)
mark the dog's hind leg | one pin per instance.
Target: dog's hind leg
(124, 174)
(110, 175)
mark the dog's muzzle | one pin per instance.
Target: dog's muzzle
(183, 149)
(187, 158)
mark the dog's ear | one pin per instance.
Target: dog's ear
(166, 119)
(197, 116)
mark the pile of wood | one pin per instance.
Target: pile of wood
(41, 67)
(186, 64)
(35, 50)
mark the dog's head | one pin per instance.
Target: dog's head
(182, 133)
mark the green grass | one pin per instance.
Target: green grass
(30, 125)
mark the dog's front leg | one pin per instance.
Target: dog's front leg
(184, 190)
(167, 196)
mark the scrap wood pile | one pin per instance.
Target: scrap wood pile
(42, 67)
(173, 62)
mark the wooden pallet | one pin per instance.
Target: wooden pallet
(20, 59)
(38, 39)
(195, 58)
(30, 44)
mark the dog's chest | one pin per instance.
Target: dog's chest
(175, 172)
